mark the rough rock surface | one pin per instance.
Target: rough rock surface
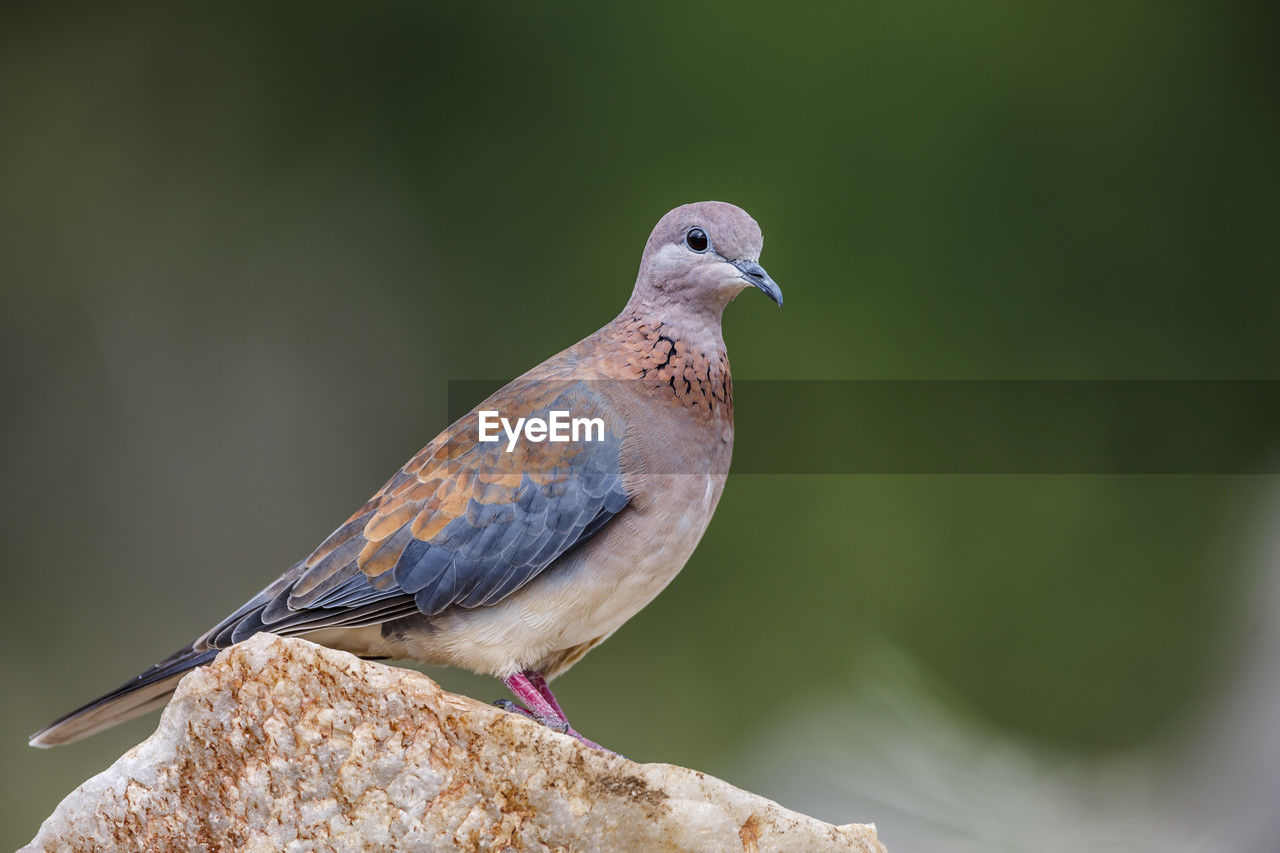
(285, 745)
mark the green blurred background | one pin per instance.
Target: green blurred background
(244, 248)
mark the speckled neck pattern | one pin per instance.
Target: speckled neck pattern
(658, 355)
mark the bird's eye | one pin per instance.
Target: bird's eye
(696, 239)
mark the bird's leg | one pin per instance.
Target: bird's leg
(544, 709)
(539, 683)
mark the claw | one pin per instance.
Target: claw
(531, 687)
(556, 725)
(514, 708)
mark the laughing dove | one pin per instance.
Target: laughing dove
(516, 555)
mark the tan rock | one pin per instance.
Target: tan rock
(281, 744)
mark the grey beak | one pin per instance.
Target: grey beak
(753, 273)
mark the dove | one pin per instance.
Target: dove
(514, 553)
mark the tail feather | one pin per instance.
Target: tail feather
(149, 690)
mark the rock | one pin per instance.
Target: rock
(281, 744)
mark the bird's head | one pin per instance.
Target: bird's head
(703, 255)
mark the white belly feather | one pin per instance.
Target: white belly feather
(583, 597)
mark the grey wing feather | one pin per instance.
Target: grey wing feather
(497, 544)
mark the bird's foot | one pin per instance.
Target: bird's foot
(514, 708)
(532, 689)
(576, 735)
(554, 723)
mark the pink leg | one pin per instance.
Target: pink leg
(545, 708)
(540, 684)
(543, 711)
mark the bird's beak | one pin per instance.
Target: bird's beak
(753, 273)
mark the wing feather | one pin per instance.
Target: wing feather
(463, 524)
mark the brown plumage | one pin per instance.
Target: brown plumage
(516, 562)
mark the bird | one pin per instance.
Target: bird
(515, 557)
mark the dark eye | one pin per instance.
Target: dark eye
(697, 240)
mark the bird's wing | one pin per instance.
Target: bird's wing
(465, 523)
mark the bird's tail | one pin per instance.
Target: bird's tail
(149, 690)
